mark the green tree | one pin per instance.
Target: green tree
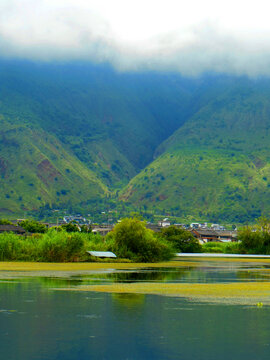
(33, 226)
(5, 222)
(71, 227)
(132, 240)
(256, 240)
(181, 239)
(86, 229)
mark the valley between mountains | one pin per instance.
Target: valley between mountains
(85, 137)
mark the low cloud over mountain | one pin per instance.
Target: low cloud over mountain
(155, 35)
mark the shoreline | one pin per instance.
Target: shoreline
(94, 266)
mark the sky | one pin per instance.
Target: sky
(191, 36)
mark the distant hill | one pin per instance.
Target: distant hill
(36, 170)
(72, 133)
(217, 165)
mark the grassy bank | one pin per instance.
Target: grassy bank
(52, 246)
(93, 266)
(222, 248)
(84, 266)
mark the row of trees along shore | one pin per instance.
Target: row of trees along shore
(130, 240)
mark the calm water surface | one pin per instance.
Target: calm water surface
(38, 322)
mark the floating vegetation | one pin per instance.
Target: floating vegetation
(86, 266)
(223, 281)
(240, 293)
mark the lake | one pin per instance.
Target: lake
(45, 315)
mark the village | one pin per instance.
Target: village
(201, 231)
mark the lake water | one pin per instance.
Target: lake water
(37, 321)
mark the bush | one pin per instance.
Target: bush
(255, 240)
(131, 240)
(182, 240)
(14, 247)
(52, 246)
(61, 247)
(5, 222)
(70, 227)
(33, 226)
(222, 248)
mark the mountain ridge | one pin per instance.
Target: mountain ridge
(87, 135)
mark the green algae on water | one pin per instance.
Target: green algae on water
(240, 293)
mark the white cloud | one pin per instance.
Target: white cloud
(231, 37)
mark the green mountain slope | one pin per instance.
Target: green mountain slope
(36, 170)
(71, 133)
(74, 135)
(112, 122)
(217, 165)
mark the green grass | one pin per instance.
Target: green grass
(222, 248)
(53, 246)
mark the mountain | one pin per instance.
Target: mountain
(217, 165)
(36, 170)
(75, 135)
(71, 134)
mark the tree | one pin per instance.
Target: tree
(71, 227)
(181, 239)
(132, 240)
(256, 240)
(33, 226)
(86, 229)
(5, 222)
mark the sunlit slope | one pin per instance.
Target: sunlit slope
(36, 170)
(216, 166)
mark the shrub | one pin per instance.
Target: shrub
(14, 247)
(213, 247)
(61, 247)
(70, 227)
(33, 226)
(58, 246)
(131, 240)
(182, 240)
(255, 241)
(5, 222)
(223, 248)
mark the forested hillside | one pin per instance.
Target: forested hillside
(75, 134)
(62, 120)
(217, 165)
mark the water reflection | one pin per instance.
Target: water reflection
(129, 300)
(37, 322)
(199, 272)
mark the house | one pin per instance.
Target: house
(214, 235)
(205, 234)
(217, 227)
(12, 228)
(164, 223)
(226, 235)
(153, 227)
(103, 230)
(194, 225)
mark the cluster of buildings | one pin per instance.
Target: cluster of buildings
(79, 219)
(201, 231)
